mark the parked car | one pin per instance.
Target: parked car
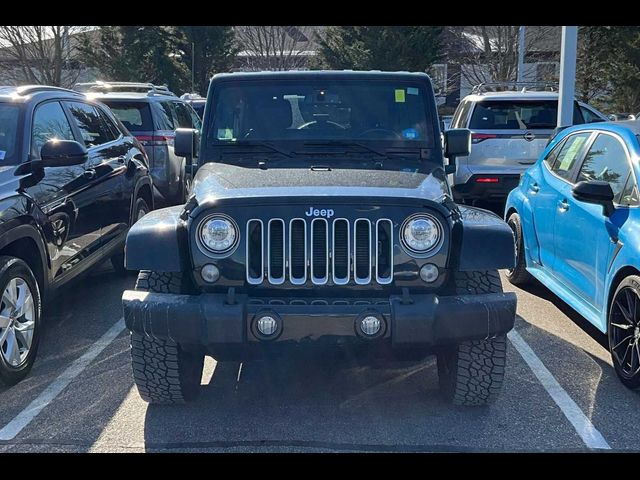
(576, 219)
(72, 182)
(621, 117)
(152, 114)
(509, 131)
(196, 101)
(320, 217)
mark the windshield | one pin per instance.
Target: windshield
(514, 115)
(319, 111)
(9, 134)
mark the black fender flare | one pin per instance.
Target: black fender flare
(483, 241)
(141, 182)
(158, 242)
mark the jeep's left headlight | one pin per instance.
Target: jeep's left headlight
(421, 233)
(218, 234)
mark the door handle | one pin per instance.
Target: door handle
(563, 205)
(534, 187)
(91, 173)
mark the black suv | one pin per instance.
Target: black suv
(320, 216)
(72, 181)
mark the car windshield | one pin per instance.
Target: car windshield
(514, 115)
(9, 134)
(318, 111)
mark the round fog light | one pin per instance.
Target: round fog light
(370, 325)
(210, 273)
(267, 325)
(429, 273)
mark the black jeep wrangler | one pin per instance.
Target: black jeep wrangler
(319, 216)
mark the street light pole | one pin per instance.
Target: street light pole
(193, 68)
(568, 55)
(521, 48)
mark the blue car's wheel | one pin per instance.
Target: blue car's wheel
(518, 275)
(624, 331)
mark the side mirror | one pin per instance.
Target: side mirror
(62, 153)
(457, 142)
(597, 192)
(187, 144)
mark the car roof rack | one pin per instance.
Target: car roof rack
(514, 87)
(29, 89)
(105, 87)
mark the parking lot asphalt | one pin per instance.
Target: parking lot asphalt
(80, 395)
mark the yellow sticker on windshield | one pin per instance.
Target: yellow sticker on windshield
(400, 95)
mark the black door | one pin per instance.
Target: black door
(63, 194)
(105, 169)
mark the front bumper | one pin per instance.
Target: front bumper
(409, 321)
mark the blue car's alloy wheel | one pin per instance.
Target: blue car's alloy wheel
(624, 331)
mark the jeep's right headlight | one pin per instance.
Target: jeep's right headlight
(421, 234)
(218, 234)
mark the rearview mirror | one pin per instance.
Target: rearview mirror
(457, 142)
(62, 153)
(187, 143)
(597, 192)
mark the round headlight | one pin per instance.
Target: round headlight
(218, 234)
(421, 233)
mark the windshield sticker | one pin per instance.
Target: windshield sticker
(399, 95)
(412, 91)
(225, 134)
(410, 133)
(2, 154)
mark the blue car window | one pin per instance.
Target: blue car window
(606, 161)
(569, 153)
(630, 195)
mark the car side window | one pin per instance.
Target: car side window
(195, 119)
(462, 115)
(49, 121)
(92, 126)
(109, 123)
(589, 115)
(569, 154)
(551, 156)
(167, 120)
(606, 161)
(182, 116)
(630, 194)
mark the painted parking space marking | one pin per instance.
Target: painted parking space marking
(590, 435)
(15, 426)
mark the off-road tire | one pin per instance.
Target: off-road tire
(163, 372)
(118, 259)
(471, 373)
(518, 275)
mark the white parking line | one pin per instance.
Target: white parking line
(590, 435)
(15, 426)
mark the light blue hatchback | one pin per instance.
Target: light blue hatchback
(576, 222)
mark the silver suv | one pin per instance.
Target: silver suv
(152, 113)
(509, 131)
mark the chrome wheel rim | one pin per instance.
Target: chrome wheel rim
(17, 321)
(625, 331)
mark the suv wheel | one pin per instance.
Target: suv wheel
(472, 372)
(624, 331)
(140, 210)
(163, 372)
(518, 275)
(19, 319)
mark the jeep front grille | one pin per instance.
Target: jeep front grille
(319, 250)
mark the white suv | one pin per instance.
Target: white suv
(509, 131)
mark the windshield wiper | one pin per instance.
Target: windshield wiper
(340, 143)
(254, 143)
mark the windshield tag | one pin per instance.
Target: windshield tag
(400, 95)
(412, 91)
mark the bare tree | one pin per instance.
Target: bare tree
(39, 54)
(273, 47)
(490, 53)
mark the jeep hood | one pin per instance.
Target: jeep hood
(223, 181)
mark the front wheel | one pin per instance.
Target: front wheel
(471, 373)
(624, 331)
(20, 306)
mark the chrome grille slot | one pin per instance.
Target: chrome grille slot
(362, 251)
(298, 251)
(255, 256)
(341, 247)
(275, 252)
(384, 251)
(319, 251)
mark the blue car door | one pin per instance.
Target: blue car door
(584, 236)
(548, 185)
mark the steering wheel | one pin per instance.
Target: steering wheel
(385, 131)
(314, 124)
